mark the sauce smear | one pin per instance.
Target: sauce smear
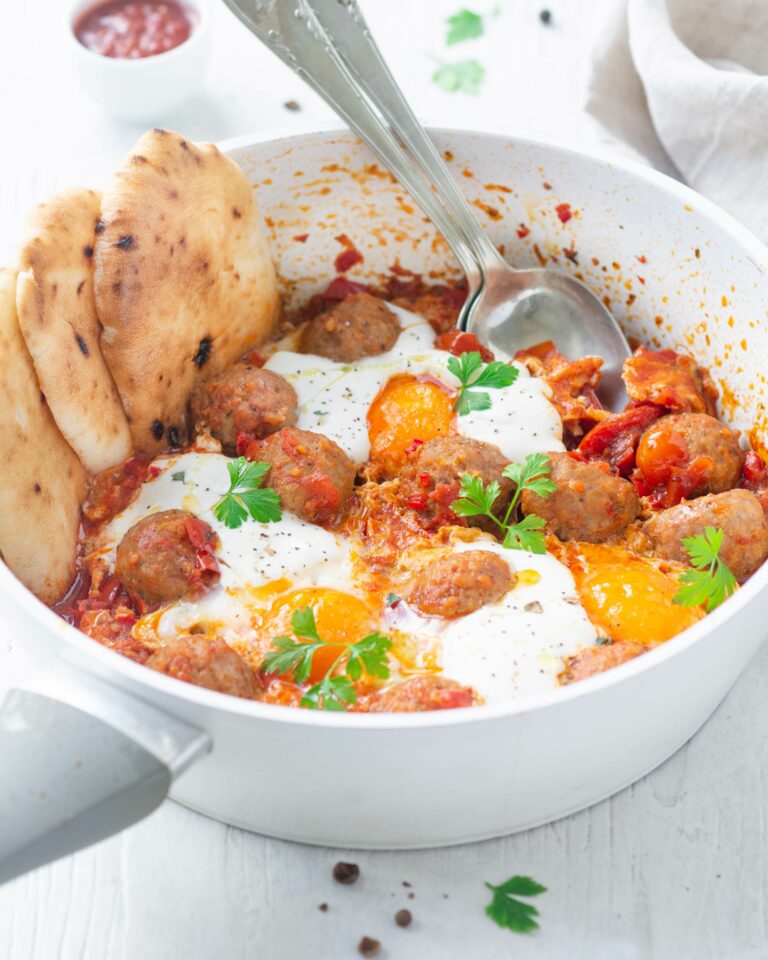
(130, 30)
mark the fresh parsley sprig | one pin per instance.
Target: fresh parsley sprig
(711, 581)
(246, 496)
(476, 499)
(509, 912)
(472, 374)
(334, 691)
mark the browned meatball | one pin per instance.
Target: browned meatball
(245, 399)
(597, 659)
(460, 583)
(360, 326)
(167, 556)
(736, 512)
(589, 503)
(421, 693)
(206, 662)
(433, 474)
(311, 473)
(685, 455)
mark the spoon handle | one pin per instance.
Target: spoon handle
(291, 29)
(345, 26)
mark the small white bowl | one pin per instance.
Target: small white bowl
(146, 88)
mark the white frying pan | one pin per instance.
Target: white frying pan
(99, 741)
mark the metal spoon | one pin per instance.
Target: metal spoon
(328, 44)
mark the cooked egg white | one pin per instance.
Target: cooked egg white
(334, 397)
(251, 555)
(515, 647)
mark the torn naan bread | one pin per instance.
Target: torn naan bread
(184, 279)
(42, 482)
(57, 315)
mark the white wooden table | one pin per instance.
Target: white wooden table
(674, 867)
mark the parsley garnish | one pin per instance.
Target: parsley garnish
(476, 499)
(464, 25)
(472, 373)
(320, 413)
(505, 910)
(711, 581)
(466, 76)
(246, 497)
(334, 691)
(180, 476)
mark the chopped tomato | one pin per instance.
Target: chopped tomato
(458, 342)
(615, 439)
(669, 379)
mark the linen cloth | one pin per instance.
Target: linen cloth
(684, 85)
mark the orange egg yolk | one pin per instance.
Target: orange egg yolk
(625, 596)
(340, 618)
(406, 409)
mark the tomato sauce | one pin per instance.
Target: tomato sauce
(131, 30)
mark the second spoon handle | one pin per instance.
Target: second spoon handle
(292, 31)
(344, 24)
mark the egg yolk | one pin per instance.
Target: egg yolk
(625, 596)
(340, 619)
(404, 410)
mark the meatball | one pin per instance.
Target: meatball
(243, 398)
(589, 503)
(167, 556)
(460, 583)
(311, 473)
(432, 477)
(360, 326)
(736, 512)
(685, 455)
(601, 657)
(206, 662)
(428, 692)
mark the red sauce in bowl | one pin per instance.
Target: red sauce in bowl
(131, 29)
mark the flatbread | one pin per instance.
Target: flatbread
(42, 482)
(184, 280)
(57, 315)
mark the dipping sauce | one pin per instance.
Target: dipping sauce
(130, 30)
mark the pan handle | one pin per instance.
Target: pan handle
(81, 760)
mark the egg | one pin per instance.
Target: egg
(257, 560)
(514, 647)
(628, 597)
(410, 388)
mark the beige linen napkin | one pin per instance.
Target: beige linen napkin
(684, 84)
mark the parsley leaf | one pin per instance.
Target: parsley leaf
(711, 581)
(180, 476)
(370, 654)
(526, 535)
(246, 497)
(333, 692)
(476, 499)
(464, 25)
(465, 76)
(509, 912)
(471, 373)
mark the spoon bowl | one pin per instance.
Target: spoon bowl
(328, 44)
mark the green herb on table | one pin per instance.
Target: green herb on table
(464, 25)
(335, 691)
(509, 912)
(476, 499)
(246, 495)
(711, 581)
(473, 374)
(465, 76)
